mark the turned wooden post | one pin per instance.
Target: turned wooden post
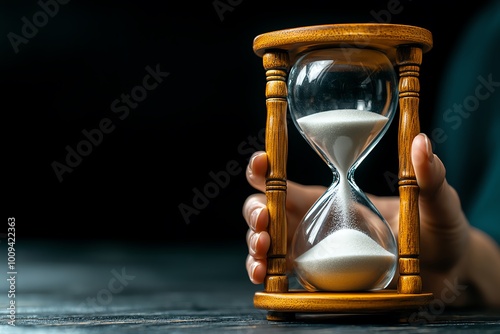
(276, 66)
(408, 59)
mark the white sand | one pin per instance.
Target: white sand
(346, 260)
(343, 135)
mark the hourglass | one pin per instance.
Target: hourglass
(342, 100)
(340, 85)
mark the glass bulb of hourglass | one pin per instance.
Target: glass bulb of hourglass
(342, 101)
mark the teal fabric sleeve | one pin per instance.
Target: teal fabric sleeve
(466, 130)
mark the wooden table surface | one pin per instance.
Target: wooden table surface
(116, 287)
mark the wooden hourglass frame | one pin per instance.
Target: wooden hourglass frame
(404, 45)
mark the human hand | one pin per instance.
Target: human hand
(299, 199)
(445, 232)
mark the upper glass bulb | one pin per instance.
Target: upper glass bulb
(348, 80)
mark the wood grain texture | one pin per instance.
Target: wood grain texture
(408, 59)
(276, 66)
(340, 302)
(380, 36)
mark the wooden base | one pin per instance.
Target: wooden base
(283, 306)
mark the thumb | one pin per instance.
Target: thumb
(443, 224)
(439, 202)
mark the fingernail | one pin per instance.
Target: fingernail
(252, 270)
(252, 158)
(255, 240)
(428, 148)
(254, 217)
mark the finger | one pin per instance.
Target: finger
(439, 202)
(256, 171)
(256, 269)
(299, 197)
(258, 244)
(443, 225)
(255, 212)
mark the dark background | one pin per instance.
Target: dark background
(201, 118)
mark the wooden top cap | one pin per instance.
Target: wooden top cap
(381, 36)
